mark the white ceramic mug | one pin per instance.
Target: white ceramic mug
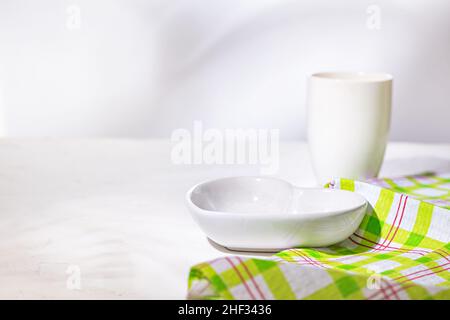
(348, 123)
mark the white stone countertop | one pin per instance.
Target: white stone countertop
(113, 212)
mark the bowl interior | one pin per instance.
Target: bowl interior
(324, 201)
(249, 195)
(270, 196)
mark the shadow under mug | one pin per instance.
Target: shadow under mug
(348, 123)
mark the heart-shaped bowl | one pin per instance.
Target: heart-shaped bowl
(269, 214)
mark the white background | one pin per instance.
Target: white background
(137, 68)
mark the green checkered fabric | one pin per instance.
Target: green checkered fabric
(400, 251)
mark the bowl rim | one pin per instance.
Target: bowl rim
(280, 217)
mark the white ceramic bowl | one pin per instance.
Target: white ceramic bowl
(268, 214)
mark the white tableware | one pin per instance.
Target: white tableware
(268, 214)
(348, 123)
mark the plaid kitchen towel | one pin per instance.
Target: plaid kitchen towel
(401, 250)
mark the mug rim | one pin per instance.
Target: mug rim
(360, 77)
